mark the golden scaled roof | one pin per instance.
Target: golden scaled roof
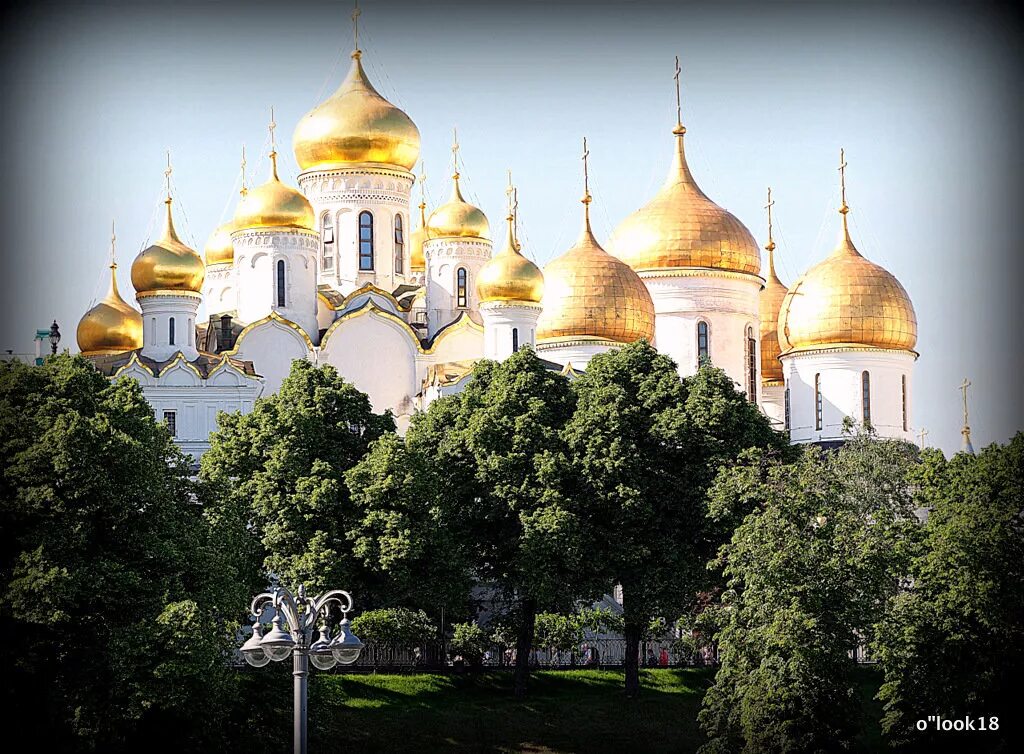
(681, 227)
(847, 300)
(769, 305)
(417, 260)
(111, 326)
(589, 294)
(457, 218)
(274, 205)
(356, 125)
(509, 276)
(168, 265)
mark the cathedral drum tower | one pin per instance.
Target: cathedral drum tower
(356, 151)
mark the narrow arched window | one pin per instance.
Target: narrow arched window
(365, 242)
(170, 331)
(327, 234)
(703, 344)
(865, 390)
(905, 423)
(751, 365)
(817, 402)
(787, 414)
(515, 338)
(399, 245)
(280, 282)
(462, 288)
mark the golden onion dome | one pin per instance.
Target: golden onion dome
(417, 260)
(355, 125)
(589, 294)
(769, 305)
(219, 249)
(457, 218)
(112, 326)
(168, 265)
(509, 276)
(274, 205)
(681, 227)
(846, 300)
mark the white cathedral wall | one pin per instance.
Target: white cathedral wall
(341, 195)
(728, 302)
(773, 404)
(220, 289)
(257, 252)
(575, 352)
(272, 346)
(500, 319)
(445, 256)
(840, 373)
(461, 342)
(158, 309)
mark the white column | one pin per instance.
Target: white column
(508, 326)
(445, 257)
(169, 324)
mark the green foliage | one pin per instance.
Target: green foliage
(953, 641)
(117, 594)
(278, 474)
(558, 632)
(470, 641)
(808, 569)
(398, 626)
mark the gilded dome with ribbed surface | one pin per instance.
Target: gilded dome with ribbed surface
(589, 294)
(112, 326)
(509, 276)
(769, 306)
(274, 205)
(682, 228)
(847, 300)
(168, 265)
(356, 125)
(457, 218)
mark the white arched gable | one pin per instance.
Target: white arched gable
(271, 345)
(377, 353)
(462, 341)
(179, 374)
(136, 371)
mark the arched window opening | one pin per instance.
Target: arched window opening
(280, 282)
(751, 365)
(365, 242)
(865, 388)
(399, 245)
(703, 344)
(462, 288)
(515, 338)
(787, 414)
(817, 402)
(327, 234)
(905, 424)
(170, 331)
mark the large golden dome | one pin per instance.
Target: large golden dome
(219, 249)
(274, 205)
(769, 305)
(509, 276)
(168, 265)
(680, 227)
(457, 218)
(589, 294)
(112, 326)
(355, 125)
(417, 260)
(846, 300)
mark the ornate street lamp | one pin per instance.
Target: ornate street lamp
(301, 614)
(54, 337)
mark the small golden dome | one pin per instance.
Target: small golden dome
(417, 260)
(168, 265)
(682, 227)
(457, 218)
(274, 205)
(219, 249)
(770, 304)
(589, 294)
(509, 276)
(847, 300)
(112, 326)
(355, 125)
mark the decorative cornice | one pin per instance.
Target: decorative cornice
(170, 294)
(844, 348)
(577, 340)
(699, 272)
(359, 168)
(510, 304)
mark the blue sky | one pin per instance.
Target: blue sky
(921, 98)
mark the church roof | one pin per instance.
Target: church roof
(205, 364)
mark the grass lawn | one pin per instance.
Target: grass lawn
(566, 711)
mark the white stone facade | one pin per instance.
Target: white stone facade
(448, 296)
(508, 326)
(169, 324)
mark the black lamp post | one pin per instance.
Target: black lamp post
(54, 337)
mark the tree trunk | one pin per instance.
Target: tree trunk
(524, 641)
(632, 631)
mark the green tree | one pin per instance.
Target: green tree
(279, 471)
(809, 570)
(469, 641)
(399, 626)
(645, 446)
(953, 642)
(117, 596)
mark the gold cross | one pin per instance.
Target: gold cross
(586, 172)
(243, 169)
(167, 174)
(356, 13)
(771, 244)
(963, 387)
(113, 245)
(455, 149)
(842, 182)
(679, 108)
(508, 191)
(921, 436)
(273, 125)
